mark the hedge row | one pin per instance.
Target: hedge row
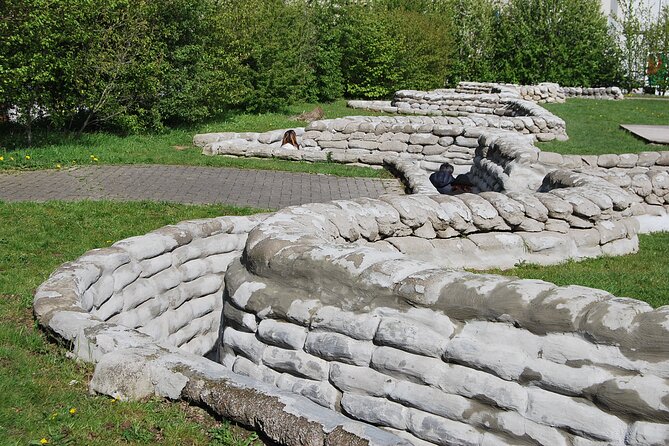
(143, 64)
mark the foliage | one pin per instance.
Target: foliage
(123, 65)
(269, 42)
(327, 53)
(556, 41)
(474, 27)
(633, 27)
(393, 45)
(127, 66)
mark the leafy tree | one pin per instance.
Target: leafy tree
(394, 45)
(326, 18)
(270, 41)
(557, 41)
(633, 27)
(34, 58)
(475, 22)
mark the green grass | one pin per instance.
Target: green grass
(38, 383)
(174, 146)
(593, 125)
(642, 276)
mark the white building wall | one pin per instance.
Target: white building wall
(610, 7)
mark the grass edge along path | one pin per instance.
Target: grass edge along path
(173, 147)
(45, 396)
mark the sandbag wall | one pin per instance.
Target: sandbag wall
(497, 110)
(166, 284)
(612, 93)
(645, 174)
(323, 304)
(365, 140)
(545, 92)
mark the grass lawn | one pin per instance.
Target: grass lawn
(39, 385)
(641, 276)
(593, 125)
(174, 146)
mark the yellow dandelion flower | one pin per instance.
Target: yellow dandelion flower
(92, 156)
(57, 166)
(95, 159)
(44, 441)
(73, 410)
(27, 157)
(2, 158)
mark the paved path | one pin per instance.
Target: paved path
(187, 184)
(657, 134)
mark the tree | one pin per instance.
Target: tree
(34, 62)
(557, 41)
(474, 33)
(658, 59)
(633, 28)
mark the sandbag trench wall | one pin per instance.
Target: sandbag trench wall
(545, 92)
(325, 303)
(362, 140)
(146, 309)
(167, 284)
(507, 162)
(646, 173)
(412, 147)
(134, 364)
(497, 110)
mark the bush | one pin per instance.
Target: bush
(563, 42)
(474, 46)
(391, 46)
(139, 65)
(269, 40)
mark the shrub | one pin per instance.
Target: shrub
(474, 40)
(564, 41)
(393, 45)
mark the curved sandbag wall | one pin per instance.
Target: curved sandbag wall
(354, 322)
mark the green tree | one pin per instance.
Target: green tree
(557, 41)
(474, 40)
(393, 45)
(35, 67)
(658, 57)
(270, 41)
(326, 18)
(633, 28)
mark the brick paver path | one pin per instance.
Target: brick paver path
(187, 184)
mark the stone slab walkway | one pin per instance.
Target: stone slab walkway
(657, 134)
(187, 184)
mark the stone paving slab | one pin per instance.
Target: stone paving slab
(657, 134)
(188, 184)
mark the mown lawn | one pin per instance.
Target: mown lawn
(44, 394)
(641, 276)
(175, 146)
(593, 125)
